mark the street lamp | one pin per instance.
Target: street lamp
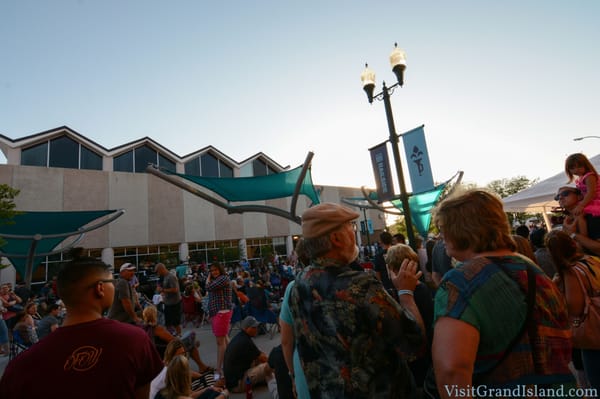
(586, 137)
(398, 62)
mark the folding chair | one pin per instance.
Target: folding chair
(259, 308)
(17, 345)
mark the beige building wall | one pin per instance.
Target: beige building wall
(156, 212)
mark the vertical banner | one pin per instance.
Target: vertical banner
(417, 158)
(381, 170)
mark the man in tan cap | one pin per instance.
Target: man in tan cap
(352, 337)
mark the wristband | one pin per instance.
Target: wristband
(291, 375)
(572, 235)
(405, 292)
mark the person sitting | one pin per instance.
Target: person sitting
(161, 337)
(10, 300)
(178, 381)
(281, 386)
(243, 360)
(25, 328)
(50, 322)
(206, 391)
(32, 310)
(189, 300)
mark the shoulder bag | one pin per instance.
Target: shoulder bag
(586, 327)
(430, 387)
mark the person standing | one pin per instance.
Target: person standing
(499, 321)
(123, 307)
(220, 309)
(574, 266)
(171, 298)
(353, 339)
(385, 239)
(90, 355)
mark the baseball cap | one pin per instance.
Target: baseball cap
(248, 322)
(126, 266)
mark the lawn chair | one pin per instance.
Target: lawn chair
(260, 308)
(17, 345)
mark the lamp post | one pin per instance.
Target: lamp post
(366, 224)
(586, 137)
(398, 62)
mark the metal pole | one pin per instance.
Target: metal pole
(367, 231)
(394, 140)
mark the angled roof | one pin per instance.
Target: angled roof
(33, 139)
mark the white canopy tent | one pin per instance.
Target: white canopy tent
(539, 198)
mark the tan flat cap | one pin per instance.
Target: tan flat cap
(325, 217)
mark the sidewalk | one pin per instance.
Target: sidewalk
(208, 353)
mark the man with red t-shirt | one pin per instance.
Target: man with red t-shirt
(88, 356)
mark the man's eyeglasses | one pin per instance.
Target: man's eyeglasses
(563, 194)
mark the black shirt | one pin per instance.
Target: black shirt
(239, 355)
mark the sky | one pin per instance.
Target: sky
(502, 87)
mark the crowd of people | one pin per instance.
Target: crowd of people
(480, 310)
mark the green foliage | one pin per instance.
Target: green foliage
(506, 187)
(7, 205)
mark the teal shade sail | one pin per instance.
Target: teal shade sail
(47, 228)
(420, 207)
(259, 188)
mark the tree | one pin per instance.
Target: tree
(7, 206)
(506, 187)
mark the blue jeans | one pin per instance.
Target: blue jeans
(3, 332)
(591, 366)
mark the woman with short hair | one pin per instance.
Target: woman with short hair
(488, 330)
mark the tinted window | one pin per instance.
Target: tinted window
(143, 156)
(64, 153)
(193, 167)
(90, 160)
(209, 165)
(166, 163)
(225, 170)
(260, 168)
(124, 162)
(36, 155)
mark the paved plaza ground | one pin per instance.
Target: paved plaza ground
(208, 353)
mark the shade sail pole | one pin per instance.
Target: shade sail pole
(30, 256)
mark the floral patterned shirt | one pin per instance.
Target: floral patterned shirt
(353, 339)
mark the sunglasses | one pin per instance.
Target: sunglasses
(563, 194)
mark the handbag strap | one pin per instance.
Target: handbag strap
(530, 298)
(586, 307)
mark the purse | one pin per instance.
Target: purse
(586, 327)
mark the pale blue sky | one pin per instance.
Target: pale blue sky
(502, 86)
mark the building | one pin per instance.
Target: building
(62, 170)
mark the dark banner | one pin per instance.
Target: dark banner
(382, 172)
